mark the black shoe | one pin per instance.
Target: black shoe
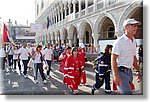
(92, 91)
(107, 93)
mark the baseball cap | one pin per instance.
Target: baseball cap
(131, 21)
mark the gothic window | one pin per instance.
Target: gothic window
(71, 9)
(77, 7)
(87, 37)
(90, 2)
(111, 33)
(82, 4)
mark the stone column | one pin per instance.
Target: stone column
(94, 5)
(65, 8)
(61, 10)
(96, 37)
(86, 6)
(80, 37)
(70, 38)
(70, 42)
(62, 37)
(79, 8)
(52, 38)
(58, 9)
(69, 6)
(56, 37)
(117, 31)
(74, 5)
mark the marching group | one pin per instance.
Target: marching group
(118, 58)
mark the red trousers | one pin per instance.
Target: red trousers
(83, 76)
(74, 83)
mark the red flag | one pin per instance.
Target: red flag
(6, 38)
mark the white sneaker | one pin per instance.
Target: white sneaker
(48, 77)
(36, 81)
(26, 76)
(44, 82)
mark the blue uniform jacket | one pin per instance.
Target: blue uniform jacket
(103, 64)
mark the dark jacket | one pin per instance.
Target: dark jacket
(103, 63)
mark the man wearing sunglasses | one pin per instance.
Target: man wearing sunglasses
(124, 57)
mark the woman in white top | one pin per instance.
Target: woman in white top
(16, 58)
(38, 59)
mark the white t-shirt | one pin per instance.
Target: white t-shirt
(37, 58)
(126, 49)
(15, 55)
(48, 54)
(9, 50)
(24, 53)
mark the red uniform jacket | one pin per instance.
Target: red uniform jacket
(62, 63)
(82, 53)
(72, 72)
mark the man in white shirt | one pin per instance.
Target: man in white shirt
(24, 54)
(124, 57)
(48, 57)
(9, 52)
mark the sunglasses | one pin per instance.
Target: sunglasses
(134, 25)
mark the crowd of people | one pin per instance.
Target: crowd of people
(118, 58)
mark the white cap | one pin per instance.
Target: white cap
(81, 45)
(131, 21)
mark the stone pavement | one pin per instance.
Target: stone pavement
(12, 83)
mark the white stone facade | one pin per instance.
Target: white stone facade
(85, 21)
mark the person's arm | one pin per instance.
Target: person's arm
(61, 57)
(34, 56)
(136, 66)
(115, 71)
(52, 56)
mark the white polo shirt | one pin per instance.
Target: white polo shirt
(48, 54)
(15, 55)
(24, 53)
(126, 49)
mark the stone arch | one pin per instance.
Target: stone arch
(57, 36)
(64, 35)
(73, 33)
(99, 23)
(129, 12)
(85, 32)
(82, 26)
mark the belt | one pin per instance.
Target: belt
(123, 69)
